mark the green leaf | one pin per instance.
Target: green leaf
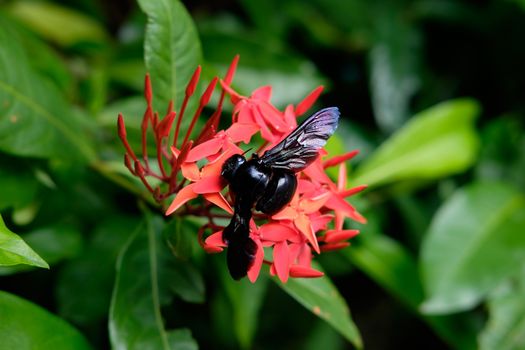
(505, 329)
(180, 235)
(27, 326)
(394, 60)
(19, 186)
(53, 244)
(502, 156)
(14, 251)
(388, 263)
(35, 120)
(59, 24)
(44, 59)
(245, 299)
(391, 266)
(475, 241)
(86, 300)
(320, 296)
(141, 289)
(437, 142)
(172, 50)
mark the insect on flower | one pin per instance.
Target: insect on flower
(301, 211)
(269, 182)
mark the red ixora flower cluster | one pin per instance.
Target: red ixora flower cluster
(311, 222)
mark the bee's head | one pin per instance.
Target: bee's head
(231, 165)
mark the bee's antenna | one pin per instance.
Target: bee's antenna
(248, 150)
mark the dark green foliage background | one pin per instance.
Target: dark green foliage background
(431, 92)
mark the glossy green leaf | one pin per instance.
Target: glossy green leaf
(44, 59)
(505, 329)
(35, 120)
(56, 23)
(323, 337)
(142, 287)
(172, 50)
(53, 244)
(388, 263)
(27, 326)
(391, 266)
(502, 155)
(180, 236)
(245, 299)
(436, 142)
(475, 241)
(14, 251)
(320, 296)
(86, 300)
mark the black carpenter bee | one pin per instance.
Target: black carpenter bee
(269, 183)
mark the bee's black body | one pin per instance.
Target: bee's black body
(269, 183)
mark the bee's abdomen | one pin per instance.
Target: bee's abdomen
(278, 193)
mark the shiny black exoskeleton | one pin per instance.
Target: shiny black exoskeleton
(269, 183)
(252, 183)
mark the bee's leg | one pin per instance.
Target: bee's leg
(278, 193)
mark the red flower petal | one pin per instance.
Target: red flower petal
(266, 133)
(219, 200)
(175, 151)
(273, 271)
(295, 249)
(273, 117)
(205, 149)
(209, 184)
(255, 269)
(314, 204)
(212, 250)
(316, 172)
(281, 260)
(334, 246)
(245, 113)
(303, 224)
(288, 213)
(214, 167)
(320, 222)
(242, 132)
(339, 159)
(305, 186)
(304, 271)
(231, 71)
(290, 118)
(305, 256)
(234, 96)
(190, 171)
(268, 243)
(276, 232)
(352, 191)
(263, 93)
(215, 240)
(341, 177)
(184, 195)
(339, 204)
(308, 101)
(333, 236)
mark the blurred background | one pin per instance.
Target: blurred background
(431, 93)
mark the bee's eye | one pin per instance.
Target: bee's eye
(231, 165)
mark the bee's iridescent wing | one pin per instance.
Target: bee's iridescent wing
(297, 150)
